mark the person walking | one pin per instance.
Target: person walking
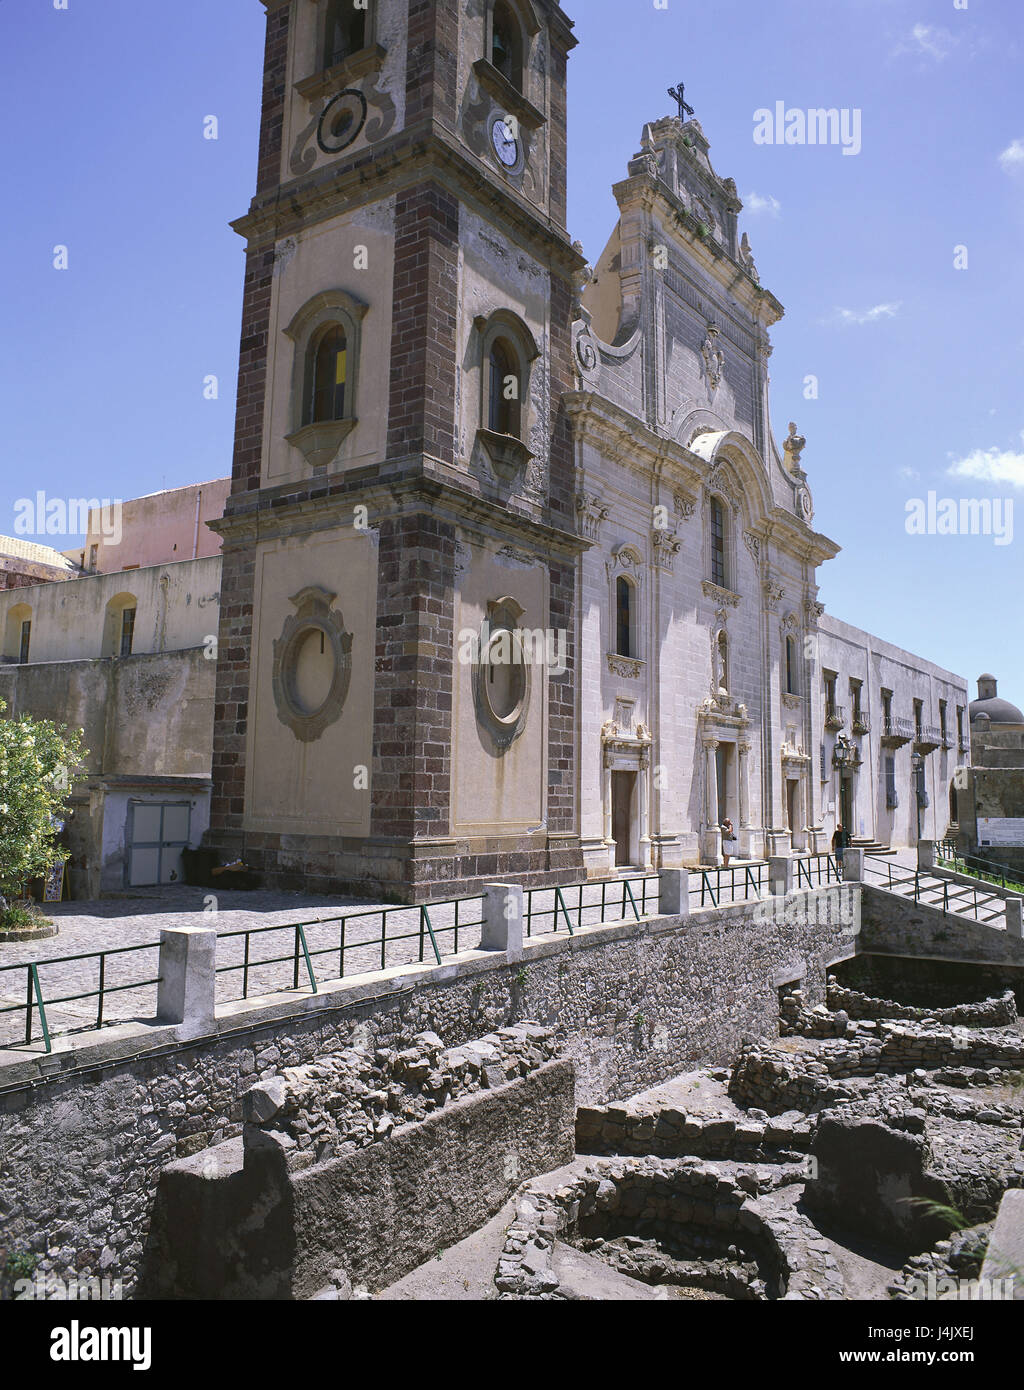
(839, 842)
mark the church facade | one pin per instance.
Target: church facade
(517, 583)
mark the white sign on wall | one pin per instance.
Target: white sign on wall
(1000, 830)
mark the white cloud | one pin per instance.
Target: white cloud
(1012, 157)
(992, 466)
(928, 41)
(858, 317)
(754, 203)
(911, 475)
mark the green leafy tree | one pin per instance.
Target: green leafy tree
(38, 761)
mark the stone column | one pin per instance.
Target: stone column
(503, 919)
(712, 831)
(853, 865)
(1014, 918)
(926, 854)
(606, 785)
(187, 992)
(780, 875)
(674, 893)
(643, 799)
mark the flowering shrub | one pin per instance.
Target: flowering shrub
(38, 761)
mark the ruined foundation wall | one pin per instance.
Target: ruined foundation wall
(631, 1005)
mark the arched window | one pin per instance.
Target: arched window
(328, 377)
(346, 31)
(119, 625)
(504, 415)
(18, 634)
(507, 44)
(625, 618)
(717, 540)
(791, 667)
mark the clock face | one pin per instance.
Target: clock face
(506, 145)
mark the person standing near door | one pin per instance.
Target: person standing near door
(839, 842)
(728, 841)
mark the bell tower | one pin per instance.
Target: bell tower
(397, 690)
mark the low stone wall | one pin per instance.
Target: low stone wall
(655, 1197)
(666, 1132)
(796, 1021)
(268, 1218)
(987, 1013)
(776, 1080)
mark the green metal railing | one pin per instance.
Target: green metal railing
(812, 870)
(37, 1002)
(974, 867)
(737, 883)
(931, 891)
(589, 904)
(303, 954)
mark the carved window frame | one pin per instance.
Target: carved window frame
(627, 563)
(320, 442)
(508, 454)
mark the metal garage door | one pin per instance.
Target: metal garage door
(156, 836)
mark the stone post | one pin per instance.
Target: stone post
(187, 992)
(926, 854)
(853, 865)
(503, 919)
(780, 875)
(1015, 917)
(674, 892)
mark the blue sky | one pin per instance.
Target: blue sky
(919, 364)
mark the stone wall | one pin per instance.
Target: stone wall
(778, 1081)
(987, 1013)
(356, 1169)
(85, 1133)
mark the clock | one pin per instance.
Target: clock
(506, 145)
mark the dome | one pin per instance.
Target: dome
(988, 703)
(997, 710)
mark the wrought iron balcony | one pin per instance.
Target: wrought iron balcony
(861, 723)
(897, 731)
(947, 739)
(927, 737)
(965, 744)
(835, 716)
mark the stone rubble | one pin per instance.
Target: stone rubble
(356, 1097)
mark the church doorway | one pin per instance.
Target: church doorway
(846, 804)
(623, 789)
(723, 772)
(793, 808)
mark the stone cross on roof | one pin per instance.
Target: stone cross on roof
(678, 94)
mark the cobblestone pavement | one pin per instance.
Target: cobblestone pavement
(130, 975)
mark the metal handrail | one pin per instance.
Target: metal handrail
(36, 1002)
(925, 884)
(708, 883)
(825, 866)
(570, 909)
(1002, 874)
(425, 931)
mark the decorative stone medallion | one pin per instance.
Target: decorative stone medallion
(312, 665)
